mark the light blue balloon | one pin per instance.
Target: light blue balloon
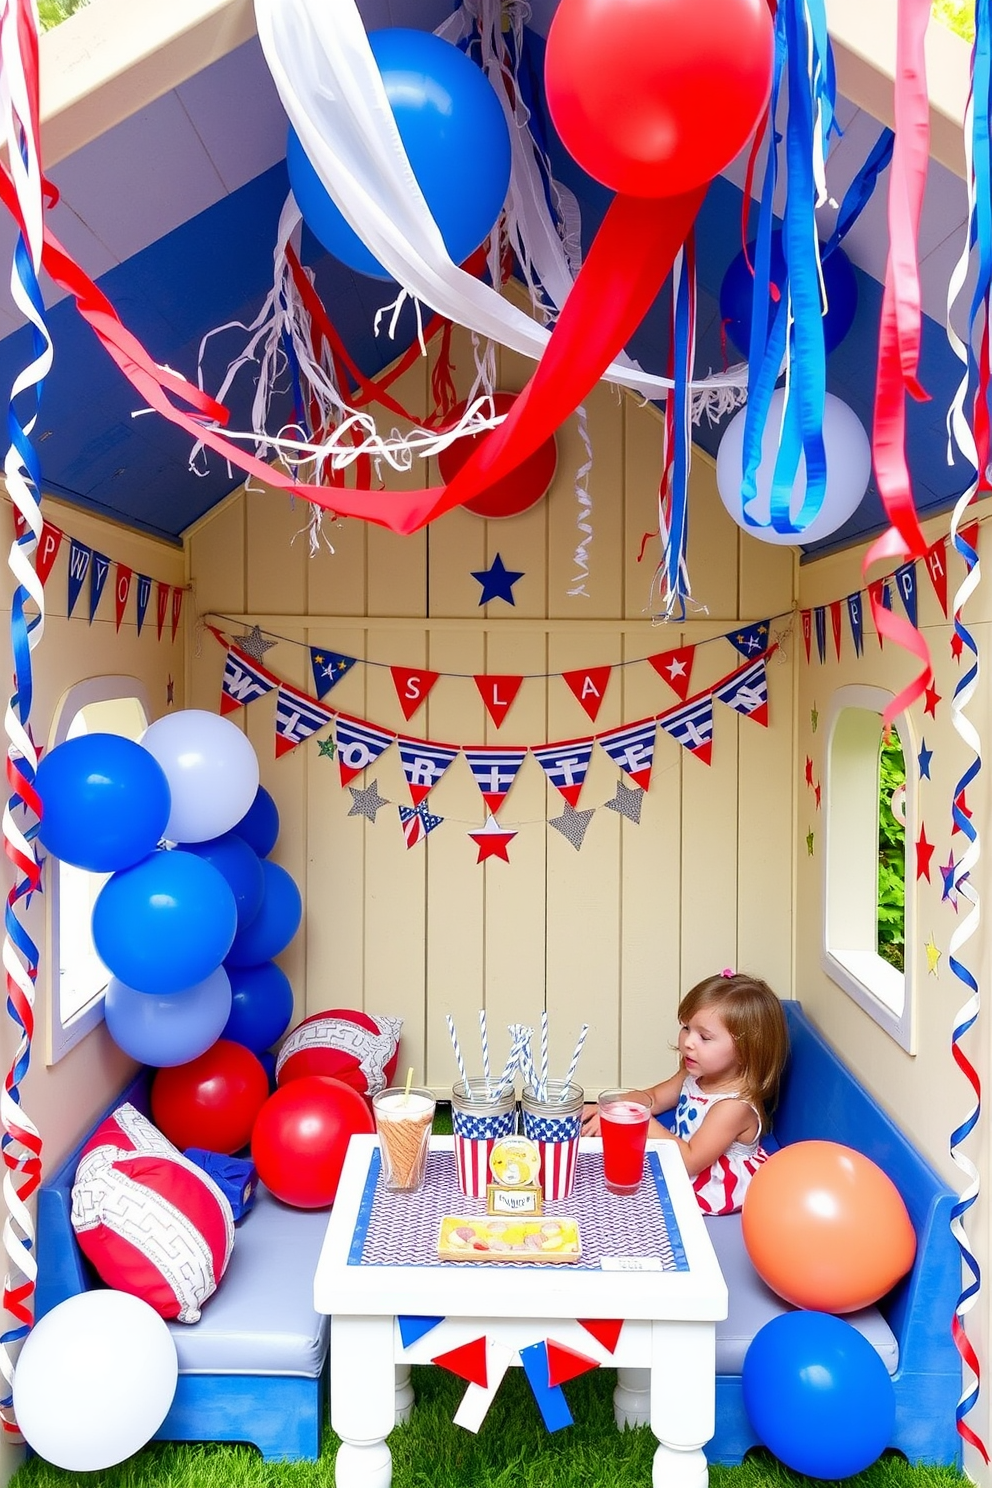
(167, 1028)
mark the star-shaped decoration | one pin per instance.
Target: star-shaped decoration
(253, 643)
(675, 668)
(627, 802)
(960, 805)
(947, 872)
(924, 852)
(932, 698)
(933, 955)
(809, 842)
(814, 718)
(366, 802)
(957, 646)
(325, 748)
(572, 824)
(923, 760)
(170, 691)
(817, 791)
(492, 840)
(497, 581)
(809, 772)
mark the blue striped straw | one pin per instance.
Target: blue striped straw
(458, 1053)
(575, 1060)
(544, 1054)
(510, 1067)
(485, 1045)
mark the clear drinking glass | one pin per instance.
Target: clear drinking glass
(478, 1120)
(623, 1126)
(404, 1120)
(554, 1124)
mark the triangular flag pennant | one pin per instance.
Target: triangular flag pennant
(935, 559)
(565, 1364)
(856, 616)
(297, 717)
(494, 771)
(969, 535)
(692, 726)
(566, 765)
(605, 1330)
(417, 822)
(48, 550)
(243, 681)
(328, 668)
(177, 608)
(476, 1401)
(835, 624)
(589, 687)
(412, 687)
(143, 595)
(99, 569)
(358, 745)
(880, 594)
(161, 606)
(820, 627)
(747, 692)
(550, 1399)
(905, 581)
(423, 764)
(122, 589)
(807, 619)
(468, 1361)
(79, 567)
(675, 667)
(632, 748)
(749, 640)
(498, 693)
(411, 1328)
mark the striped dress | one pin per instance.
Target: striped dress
(720, 1188)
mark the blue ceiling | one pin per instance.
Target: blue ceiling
(217, 267)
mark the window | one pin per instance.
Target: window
(100, 705)
(867, 917)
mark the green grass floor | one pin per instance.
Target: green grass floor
(511, 1451)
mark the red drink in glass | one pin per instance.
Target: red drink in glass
(623, 1126)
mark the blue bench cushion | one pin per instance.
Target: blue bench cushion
(261, 1319)
(752, 1303)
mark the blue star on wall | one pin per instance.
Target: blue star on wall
(497, 581)
(923, 760)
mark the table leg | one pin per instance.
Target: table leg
(405, 1398)
(632, 1398)
(683, 1401)
(363, 1400)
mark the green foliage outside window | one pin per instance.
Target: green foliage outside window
(891, 856)
(54, 12)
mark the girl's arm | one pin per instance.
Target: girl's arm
(659, 1097)
(726, 1122)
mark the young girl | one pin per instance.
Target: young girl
(732, 1046)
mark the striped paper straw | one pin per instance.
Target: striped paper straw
(510, 1067)
(484, 1033)
(458, 1053)
(544, 1054)
(575, 1059)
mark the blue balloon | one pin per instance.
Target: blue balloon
(168, 1028)
(105, 802)
(260, 824)
(737, 295)
(818, 1395)
(275, 924)
(268, 1062)
(455, 136)
(261, 1006)
(240, 865)
(165, 924)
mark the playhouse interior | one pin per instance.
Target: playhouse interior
(165, 136)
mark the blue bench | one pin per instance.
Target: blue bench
(255, 1366)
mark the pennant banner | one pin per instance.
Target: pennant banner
(589, 687)
(632, 749)
(328, 668)
(423, 765)
(747, 693)
(676, 668)
(566, 765)
(297, 718)
(692, 727)
(79, 564)
(412, 687)
(243, 681)
(494, 771)
(498, 694)
(358, 745)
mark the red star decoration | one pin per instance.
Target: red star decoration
(957, 646)
(924, 852)
(817, 793)
(492, 841)
(932, 699)
(962, 806)
(809, 772)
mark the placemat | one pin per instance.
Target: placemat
(395, 1229)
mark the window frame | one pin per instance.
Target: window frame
(65, 1033)
(856, 967)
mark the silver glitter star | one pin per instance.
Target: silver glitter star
(572, 824)
(366, 802)
(627, 801)
(253, 643)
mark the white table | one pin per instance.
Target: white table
(665, 1355)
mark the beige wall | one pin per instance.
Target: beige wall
(610, 935)
(64, 1098)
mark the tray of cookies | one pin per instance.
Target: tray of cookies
(486, 1238)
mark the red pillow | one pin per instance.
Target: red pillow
(151, 1222)
(360, 1049)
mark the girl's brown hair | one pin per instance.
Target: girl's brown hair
(755, 1020)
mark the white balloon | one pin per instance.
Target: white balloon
(211, 768)
(848, 453)
(94, 1380)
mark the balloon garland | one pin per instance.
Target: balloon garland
(20, 1142)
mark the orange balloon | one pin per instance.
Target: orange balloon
(826, 1228)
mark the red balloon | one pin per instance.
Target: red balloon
(301, 1137)
(212, 1101)
(655, 97)
(513, 494)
